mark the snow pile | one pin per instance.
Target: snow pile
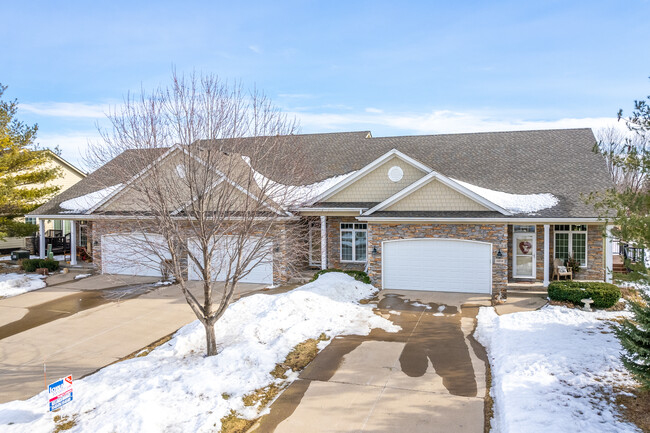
(553, 370)
(80, 276)
(175, 388)
(85, 202)
(515, 203)
(16, 284)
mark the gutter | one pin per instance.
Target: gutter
(527, 220)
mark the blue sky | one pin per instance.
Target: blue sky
(395, 68)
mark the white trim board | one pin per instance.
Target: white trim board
(445, 181)
(367, 169)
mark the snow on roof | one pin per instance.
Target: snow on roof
(87, 201)
(515, 203)
(292, 194)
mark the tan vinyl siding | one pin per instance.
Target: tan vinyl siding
(436, 196)
(68, 176)
(376, 186)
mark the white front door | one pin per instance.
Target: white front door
(523, 255)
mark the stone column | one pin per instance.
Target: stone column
(609, 254)
(73, 243)
(41, 238)
(547, 259)
(323, 242)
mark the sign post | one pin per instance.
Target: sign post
(60, 392)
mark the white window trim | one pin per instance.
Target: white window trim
(586, 232)
(354, 251)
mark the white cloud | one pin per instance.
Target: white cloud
(440, 122)
(66, 109)
(73, 145)
(374, 110)
(255, 49)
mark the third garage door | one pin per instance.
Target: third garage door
(440, 265)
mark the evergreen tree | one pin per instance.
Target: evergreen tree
(23, 176)
(631, 207)
(635, 339)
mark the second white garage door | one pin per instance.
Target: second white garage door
(260, 272)
(440, 265)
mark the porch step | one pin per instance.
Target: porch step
(302, 277)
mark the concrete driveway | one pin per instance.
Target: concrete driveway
(81, 326)
(430, 377)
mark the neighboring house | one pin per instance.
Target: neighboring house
(70, 175)
(458, 212)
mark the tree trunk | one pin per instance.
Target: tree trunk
(210, 338)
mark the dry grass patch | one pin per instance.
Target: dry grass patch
(296, 360)
(233, 423)
(631, 294)
(634, 408)
(65, 422)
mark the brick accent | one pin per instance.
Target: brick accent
(496, 234)
(287, 257)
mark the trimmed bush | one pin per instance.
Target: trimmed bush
(357, 275)
(605, 295)
(30, 265)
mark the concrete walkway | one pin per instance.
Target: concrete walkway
(86, 341)
(430, 377)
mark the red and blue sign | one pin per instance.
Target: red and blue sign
(60, 392)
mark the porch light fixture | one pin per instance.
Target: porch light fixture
(374, 251)
(499, 254)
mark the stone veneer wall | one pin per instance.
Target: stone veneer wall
(496, 234)
(334, 244)
(287, 259)
(595, 269)
(595, 255)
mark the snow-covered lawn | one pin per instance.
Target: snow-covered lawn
(16, 284)
(553, 370)
(176, 389)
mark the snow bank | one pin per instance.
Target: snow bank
(85, 202)
(16, 284)
(551, 370)
(175, 388)
(515, 203)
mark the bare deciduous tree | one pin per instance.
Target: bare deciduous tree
(620, 148)
(194, 195)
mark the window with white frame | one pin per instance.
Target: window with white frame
(30, 220)
(571, 240)
(354, 242)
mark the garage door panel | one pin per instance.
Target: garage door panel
(437, 265)
(259, 272)
(133, 254)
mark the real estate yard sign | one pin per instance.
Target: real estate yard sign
(60, 392)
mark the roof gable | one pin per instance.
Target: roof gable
(437, 192)
(372, 183)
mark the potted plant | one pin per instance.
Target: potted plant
(573, 264)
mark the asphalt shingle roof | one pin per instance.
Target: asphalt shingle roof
(560, 162)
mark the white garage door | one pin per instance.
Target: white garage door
(133, 254)
(440, 265)
(260, 272)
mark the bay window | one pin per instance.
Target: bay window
(354, 242)
(571, 240)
